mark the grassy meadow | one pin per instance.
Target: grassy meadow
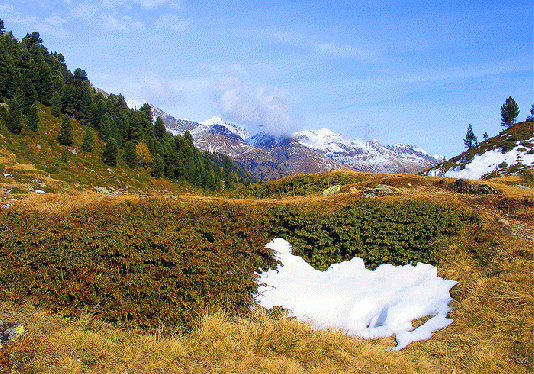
(163, 283)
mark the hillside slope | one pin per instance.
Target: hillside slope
(32, 161)
(509, 153)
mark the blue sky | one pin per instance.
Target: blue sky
(413, 72)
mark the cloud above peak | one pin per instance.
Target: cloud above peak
(263, 107)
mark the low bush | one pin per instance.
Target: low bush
(378, 232)
(299, 185)
(147, 263)
(151, 262)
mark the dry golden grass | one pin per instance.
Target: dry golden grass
(492, 330)
(61, 203)
(6, 156)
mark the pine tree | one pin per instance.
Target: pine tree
(158, 167)
(55, 103)
(509, 112)
(14, 117)
(129, 156)
(227, 172)
(531, 117)
(109, 156)
(159, 128)
(470, 140)
(88, 141)
(65, 136)
(33, 119)
(485, 136)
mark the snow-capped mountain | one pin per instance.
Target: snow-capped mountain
(223, 126)
(310, 151)
(367, 155)
(507, 153)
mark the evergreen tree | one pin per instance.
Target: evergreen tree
(33, 119)
(157, 167)
(55, 103)
(65, 136)
(14, 117)
(485, 136)
(531, 117)
(227, 172)
(88, 141)
(105, 127)
(159, 128)
(509, 112)
(129, 156)
(470, 140)
(109, 157)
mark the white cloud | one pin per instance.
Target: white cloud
(172, 22)
(125, 23)
(264, 107)
(158, 90)
(331, 49)
(51, 25)
(55, 20)
(147, 4)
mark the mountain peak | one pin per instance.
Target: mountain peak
(318, 150)
(215, 121)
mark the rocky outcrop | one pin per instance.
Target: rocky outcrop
(464, 186)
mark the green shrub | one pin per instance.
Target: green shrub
(154, 262)
(379, 233)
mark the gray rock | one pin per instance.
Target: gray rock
(464, 186)
(10, 330)
(332, 190)
(102, 190)
(379, 190)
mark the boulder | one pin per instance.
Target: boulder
(102, 190)
(379, 190)
(332, 190)
(464, 186)
(10, 330)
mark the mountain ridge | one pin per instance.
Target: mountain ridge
(307, 151)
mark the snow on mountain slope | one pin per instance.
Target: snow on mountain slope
(230, 127)
(134, 104)
(307, 151)
(367, 156)
(488, 162)
(505, 154)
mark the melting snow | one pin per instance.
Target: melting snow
(364, 303)
(489, 161)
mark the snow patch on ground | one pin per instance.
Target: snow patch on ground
(490, 161)
(364, 303)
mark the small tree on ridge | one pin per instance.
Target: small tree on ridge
(470, 140)
(509, 112)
